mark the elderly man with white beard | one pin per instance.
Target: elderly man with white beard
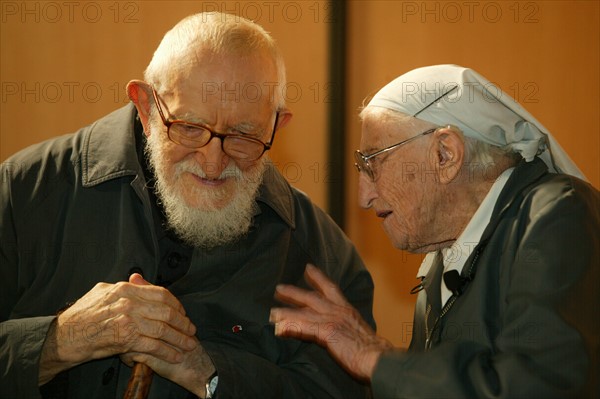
(175, 187)
(458, 170)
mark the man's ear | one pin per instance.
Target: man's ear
(139, 93)
(285, 115)
(450, 154)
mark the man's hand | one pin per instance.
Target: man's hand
(112, 319)
(326, 317)
(192, 372)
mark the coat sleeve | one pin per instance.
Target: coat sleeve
(547, 344)
(21, 340)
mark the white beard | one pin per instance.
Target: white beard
(209, 223)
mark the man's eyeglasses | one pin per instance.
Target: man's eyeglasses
(193, 135)
(362, 161)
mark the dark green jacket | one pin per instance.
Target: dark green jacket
(74, 211)
(528, 324)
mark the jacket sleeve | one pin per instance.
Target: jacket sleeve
(548, 339)
(21, 340)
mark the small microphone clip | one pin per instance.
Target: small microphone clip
(455, 282)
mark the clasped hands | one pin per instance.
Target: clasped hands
(136, 320)
(325, 317)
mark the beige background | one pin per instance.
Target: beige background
(65, 64)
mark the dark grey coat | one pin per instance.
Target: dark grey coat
(528, 324)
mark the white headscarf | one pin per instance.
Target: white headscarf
(476, 106)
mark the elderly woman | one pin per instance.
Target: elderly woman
(457, 169)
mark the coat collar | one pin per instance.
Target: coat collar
(109, 152)
(109, 148)
(525, 174)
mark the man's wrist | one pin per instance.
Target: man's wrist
(50, 364)
(207, 387)
(211, 386)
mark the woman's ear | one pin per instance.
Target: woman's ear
(450, 154)
(139, 93)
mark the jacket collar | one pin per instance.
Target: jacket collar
(525, 174)
(109, 148)
(109, 152)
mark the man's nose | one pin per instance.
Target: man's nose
(212, 159)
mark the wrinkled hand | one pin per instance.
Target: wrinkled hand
(111, 319)
(191, 373)
(326, 317)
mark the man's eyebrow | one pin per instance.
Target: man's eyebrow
(245, 127)
(190, 117)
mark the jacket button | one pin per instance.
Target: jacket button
(108, 375)
(175, 260)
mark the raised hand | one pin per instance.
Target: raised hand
(325, 316)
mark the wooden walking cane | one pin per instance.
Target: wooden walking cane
(139, 382)
(138, 386)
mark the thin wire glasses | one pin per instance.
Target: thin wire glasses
(193, 135)
(363, 163)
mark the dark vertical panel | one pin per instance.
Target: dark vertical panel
(336, 203)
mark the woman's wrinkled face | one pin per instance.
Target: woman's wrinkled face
(403, 191)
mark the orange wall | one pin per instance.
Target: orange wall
(546, 54)
(65, 64)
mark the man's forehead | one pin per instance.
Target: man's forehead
(230, 92)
